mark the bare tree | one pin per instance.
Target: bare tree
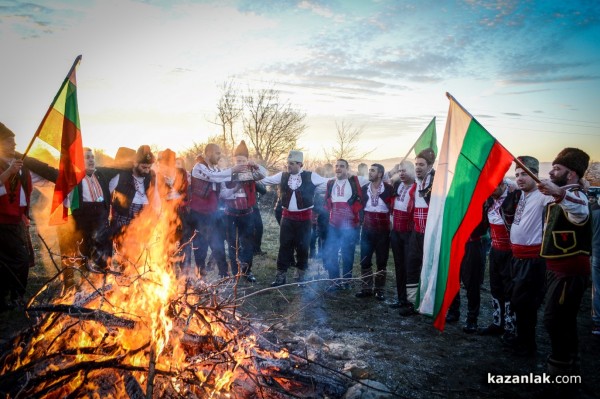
(272, 125)
(346, 146)
(229, 111)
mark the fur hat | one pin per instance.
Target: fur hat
(144, 155)
(574, 159)
(241, 149)
(296, 156)
(530, 162)
(5, 132)
(428, 155)
(167, 157)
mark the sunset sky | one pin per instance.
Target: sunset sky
(529, 71)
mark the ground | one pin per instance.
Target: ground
(407, 354)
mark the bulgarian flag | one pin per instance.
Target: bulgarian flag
(471, 164)
(58, 138)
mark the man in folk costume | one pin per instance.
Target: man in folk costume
(523, 210)
(240, 198)
(499, 259)
(566, 246)
(402, 228)
(206, 182)
(86, 231)
(132, 190)
(297, 190)
(420, 194)
(16, 252)
(343, 200)
(378, 197)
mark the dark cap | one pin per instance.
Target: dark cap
(241, 149)
(574, 159)
(5, 132)
(144, 155)
(530, 162)
(428, 155)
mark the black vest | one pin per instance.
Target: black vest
(304, 194)
(354, 186)
(563, 238)
(125, 191)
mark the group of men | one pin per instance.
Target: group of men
(540, 230)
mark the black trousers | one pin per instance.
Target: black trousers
(15, 257)
(399, 241)
(258, 228)
(470, 275)
(500, 283)
(378, 243)
(241, 241)
(563, 297)
(527, 293)
(294, 237)
(209, 232)
(415, 259)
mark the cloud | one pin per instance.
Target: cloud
(512, 114)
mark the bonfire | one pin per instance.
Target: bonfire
(143, 329)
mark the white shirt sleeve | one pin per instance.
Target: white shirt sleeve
(575, 204)
(272, 180)
(112, 184)
(200, 171)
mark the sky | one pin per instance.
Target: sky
(528, 71)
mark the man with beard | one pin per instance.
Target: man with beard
(401, 231)
(16, 253)
(297, 190)
(343, 200)
(375, 235)
(420, 194)
(566, 246)
(132, 190)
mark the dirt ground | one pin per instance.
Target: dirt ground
(407, 354)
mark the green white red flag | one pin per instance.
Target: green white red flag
(59, 134)
(471, 164)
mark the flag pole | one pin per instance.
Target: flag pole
(515, 159)
(37, 132)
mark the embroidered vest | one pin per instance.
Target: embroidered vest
(563, 238)
(11, 212)
(304, 194)
(125, 191)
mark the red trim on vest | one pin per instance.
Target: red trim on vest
(526, 251)
(299, 216)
